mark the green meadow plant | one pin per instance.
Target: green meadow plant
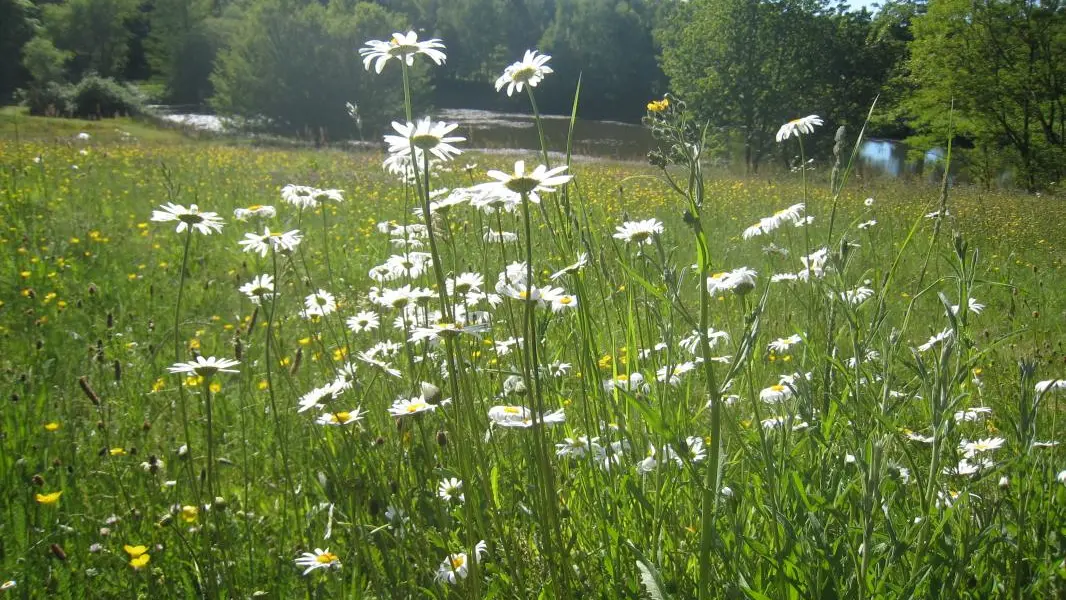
(427, 379)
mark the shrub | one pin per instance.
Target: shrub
(96, 96)
(51, 99)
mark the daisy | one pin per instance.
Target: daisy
(579, 447)
(319, 559)
(456, 566)
(205, 367)
(464, 283)
(424, 136)
(541, 179)
(410, 406)
(917, 437)
(775, 393)
(814, 264)
(435, 331)
(867, 224)
(691, 343)
(972, 415)
(974, 306)
(450, 489)
(739, 281)
(500, 237)
(626, 382)
(341, 417)
(561, 302)
(320, 303)
(1051, 384)
(673, 375)
(856, 296)
(255, 210)
(401, 47)
(520, 416)
(936, 339)
(576, 267)
(783, 344)
(984, 445)
(300, 196)
(262, 286)
(363, 321)
(321, 396)
(795, 127)
(528, 71)
(639, 232)
(204, 222)
(262, 244)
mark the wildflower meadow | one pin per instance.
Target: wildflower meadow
(234, 371)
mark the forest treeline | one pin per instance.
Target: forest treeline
(990, 74)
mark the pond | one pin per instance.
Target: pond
(495, 131)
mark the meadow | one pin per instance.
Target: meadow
(327, 398)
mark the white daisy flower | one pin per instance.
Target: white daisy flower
(450, 489)
(867, 224)
(364, 320)
(457, 566)
(464, 283)
(260, 287)
(639, 232)
(739, 281)
(522, 417)
(775, 393)
(319, 559)
(983, 445)
(974, 306)
(936, 340)
(500, 237)
(673, 375)
(410, 406)
(321, 396)
(262, 244)
(320, 303)
(203, 222)
(401, 47)
(783, 344)
(856, 296)
(1050, 385)
(528, 71)
(972, 415)
(424, 136)
(255, 210)
(300, 196)
(576, 267)
(579, 447)
(795, 127)
(541, 179)
(340, 417)
(205, 367)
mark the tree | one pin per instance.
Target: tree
(1000, 64)
(181, 48)
(610, 45)
(296, 66)
(17, 27)
(95, 32)
(747, 65)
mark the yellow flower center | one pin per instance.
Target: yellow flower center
(512, 410)
(565, 300)
(326, 558)
(415, 407)
(777, 388)
(458, 561)
(341, 417)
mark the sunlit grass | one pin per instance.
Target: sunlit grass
(91, 413)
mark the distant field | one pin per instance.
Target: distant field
(834, 497)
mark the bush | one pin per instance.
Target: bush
(51, 99)
(97, 96)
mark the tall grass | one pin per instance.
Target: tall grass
(688, 464)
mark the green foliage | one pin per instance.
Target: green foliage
(51, 98)
(992, 73)
(103, 97)
(95, 32)
(751, 65)
(43, 61)
(182, 45)
(617, 79)
(17, 26)
(294, 67)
